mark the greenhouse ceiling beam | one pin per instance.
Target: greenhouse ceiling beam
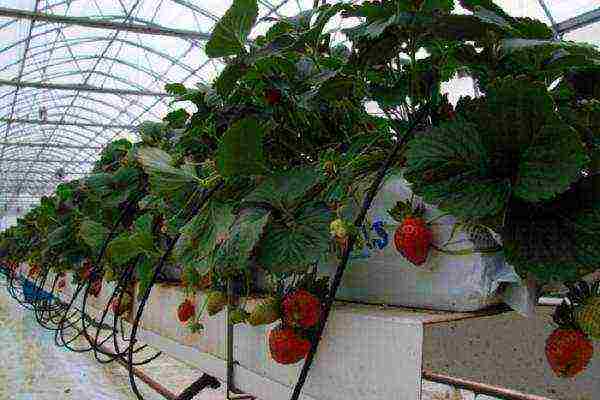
(549, 15)
(81, 88)
(42, 160)
(31, 190)
(579, 21)
(96, 23)
(50, 145)
(18, 78)
(31, 180)
(22, 196)
(41, 172)
(67, 123)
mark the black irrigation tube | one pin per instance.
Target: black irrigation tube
(41, 305)
(120, 288)
(94, 275)
(339, 273)
(20, 291)
(44, 306)
(206, 195)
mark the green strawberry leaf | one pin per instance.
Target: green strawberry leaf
(231, 32)
(177, 118)
(142, 235)
(556, 240)
(228, 78)
(177, 89)
(93, 234)
(122, 249)
(201, 235)
(151, 132)
(552, 162)
(448, 167)
(99, 184)
(163, 176)
(284, 190)
(244, 234)
(59, 236)
(145, 270)
(294, 246)
(241, 150)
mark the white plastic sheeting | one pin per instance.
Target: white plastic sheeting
(55, 53)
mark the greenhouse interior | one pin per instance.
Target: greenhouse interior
(300, 199)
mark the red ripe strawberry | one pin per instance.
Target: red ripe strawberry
(301, 309)
(61, 284)
(568, 352)
(273, 96)
(286, 346)
(413, 240)
(186, 310)
(34, 270)
(87, 270)
(205, 282)
(96, 287)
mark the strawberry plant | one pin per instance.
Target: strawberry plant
(283, 141)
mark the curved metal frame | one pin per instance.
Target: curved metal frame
(37, 60)
(68, 322)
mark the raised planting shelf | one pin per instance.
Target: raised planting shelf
(506, 350)
(369, 352)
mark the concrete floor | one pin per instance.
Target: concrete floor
(32, 367)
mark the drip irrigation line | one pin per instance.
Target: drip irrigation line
(346, 253)
(94, 275)
(120, 287)
(43, 305)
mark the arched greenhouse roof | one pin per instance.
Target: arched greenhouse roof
(76, 74)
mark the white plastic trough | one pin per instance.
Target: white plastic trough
(369, 352)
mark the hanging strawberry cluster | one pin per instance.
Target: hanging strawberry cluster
(569, 349)
(283, 142)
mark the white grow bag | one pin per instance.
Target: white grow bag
(464, 276)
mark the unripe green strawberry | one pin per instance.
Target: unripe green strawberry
(237, 316)
(339, 228)
(266, 312)
(587, 317)
(110, 275)
(216, 302)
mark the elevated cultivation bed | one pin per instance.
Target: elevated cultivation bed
(367, 352)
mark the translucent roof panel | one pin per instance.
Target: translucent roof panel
(49, 133)
(67, 89)
(589, 34)
(562, 10)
